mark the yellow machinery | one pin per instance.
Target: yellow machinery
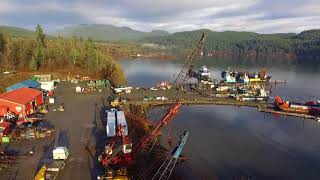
(41, 173)
(120, 174)
(115, 102)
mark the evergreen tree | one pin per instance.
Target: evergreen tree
(39, 56)
(40, 36)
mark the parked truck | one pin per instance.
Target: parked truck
(51, 170)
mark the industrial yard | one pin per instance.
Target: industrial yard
(79, 128)
(52, 128)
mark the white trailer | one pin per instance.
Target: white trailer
(111, 113)
(111, 126)
(60, 156)
(121, 121)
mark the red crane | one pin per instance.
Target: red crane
(128, 153)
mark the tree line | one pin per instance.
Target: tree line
(57, 53)
(305, 44)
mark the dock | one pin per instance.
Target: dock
(277, 81)
(214, 101)
(137, 96)
(272, 111)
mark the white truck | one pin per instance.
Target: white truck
(60, 155)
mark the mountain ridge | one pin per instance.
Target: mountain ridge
(234, 43)
(100, 32)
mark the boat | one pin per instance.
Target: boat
(203, 74)
(260, 77)
(310, 108)
(230, 76)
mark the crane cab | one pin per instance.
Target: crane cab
(108, 150)
(127, 148)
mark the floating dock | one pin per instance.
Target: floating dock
(271, 110)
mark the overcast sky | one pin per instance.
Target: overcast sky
(263, 16)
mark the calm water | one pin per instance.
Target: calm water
(229, 142)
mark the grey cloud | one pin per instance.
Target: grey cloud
(173, 15)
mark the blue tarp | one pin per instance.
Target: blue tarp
(26, 83)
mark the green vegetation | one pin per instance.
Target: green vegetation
(114, 41)
(305, 44)
(106, 33)
(39, 53)
(16, 32)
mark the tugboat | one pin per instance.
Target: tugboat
(203, 74)
(311, 108)
(229, 76)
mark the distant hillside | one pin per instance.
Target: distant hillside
(107, 33)
(304, 44)
(229, 43)
(16, 32)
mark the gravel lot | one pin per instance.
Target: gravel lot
(80, 127)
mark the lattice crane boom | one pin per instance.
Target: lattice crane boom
(127, 158)
(187, 67)
(166, 168)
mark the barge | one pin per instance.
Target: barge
(309, 108)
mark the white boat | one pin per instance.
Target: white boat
(203, 73)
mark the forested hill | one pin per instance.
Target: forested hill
(304, 44)
(16, 31)
(229, 43)
(99, 32)
(39, 53)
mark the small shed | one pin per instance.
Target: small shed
(24, 84)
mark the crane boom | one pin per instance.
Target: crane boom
(166, 168)
(182, 75)
(145, 140)
(129, 153)
(186, 70)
